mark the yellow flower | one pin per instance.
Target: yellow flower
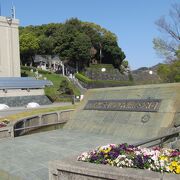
(105, 155)
(110, 162)
(178, 169)
(174, 163)
(164, 158)
(171, 168)
(105, 149)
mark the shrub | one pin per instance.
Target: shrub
(97, 66)
(101, 83)
(83, 78)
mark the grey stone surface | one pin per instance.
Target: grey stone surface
(109, 74)
(71, 169)
(6, 176)
(129, 124)
(28, 156)
(18, 101)
(5, 132)
(177, 119)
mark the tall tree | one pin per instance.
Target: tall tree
(29, 45)
(170, 27)
(76, 42)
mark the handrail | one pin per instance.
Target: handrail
(41, 114)
(37, 126)
(157, 138)
(40, 124)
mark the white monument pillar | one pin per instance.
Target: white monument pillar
(9, 47)
(62, 65)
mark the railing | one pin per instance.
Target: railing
(23, 126)
(77, 84)
(37, 126)
(160, 139)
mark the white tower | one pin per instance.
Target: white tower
(9, 47)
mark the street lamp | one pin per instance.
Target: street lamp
(150, 72)
(103, 69)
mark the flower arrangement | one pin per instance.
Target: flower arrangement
(124, 155)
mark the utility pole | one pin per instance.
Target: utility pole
(0, 8)
(13, 12)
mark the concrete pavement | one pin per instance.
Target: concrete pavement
(27, 157)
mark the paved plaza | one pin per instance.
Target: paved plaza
(27, 156)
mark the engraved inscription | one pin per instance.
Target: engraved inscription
(139, 105)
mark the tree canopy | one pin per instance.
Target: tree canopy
(77, 43)
(169, 43)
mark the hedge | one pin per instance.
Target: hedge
(101, 83)
(97, 66)
(83, 78)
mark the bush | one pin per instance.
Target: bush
(89, 83)
(27, 68)
(97, 66)
(83, 78)
(43, 71)
(64, 88)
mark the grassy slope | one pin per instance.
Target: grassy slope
(35, 112)
(52, 92)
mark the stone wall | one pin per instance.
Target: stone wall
(21, 92)
(109, 74)
(71, 169)
(130, 125)
(5, 132)
(9, 48)
(18, 101)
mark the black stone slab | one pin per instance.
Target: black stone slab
(137, 105)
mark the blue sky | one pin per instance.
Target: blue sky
(133, 21)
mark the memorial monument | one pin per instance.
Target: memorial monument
(9, 47)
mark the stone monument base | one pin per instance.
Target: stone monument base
(73, 169)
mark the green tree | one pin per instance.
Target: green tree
(76, 42)
(81, 47)
(64, 88)
(29, 45)
(112, 52)
(46, 45)
(164, 72)
(168, 45)
(170, 72)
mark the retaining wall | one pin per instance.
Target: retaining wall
(72, 169)
(31, 123)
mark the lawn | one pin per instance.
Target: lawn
(35, 112)
(52, 92)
